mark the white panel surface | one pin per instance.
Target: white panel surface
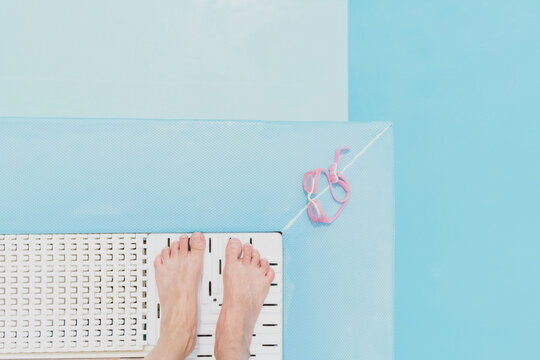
(190, 59)
(267, 339)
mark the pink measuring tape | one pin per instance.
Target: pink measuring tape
(311, 186)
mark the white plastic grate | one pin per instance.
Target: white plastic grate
(72, 293)
(93, 295)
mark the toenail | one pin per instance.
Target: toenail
(234, 244)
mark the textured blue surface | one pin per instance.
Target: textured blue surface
(175, 176)
(461, 82)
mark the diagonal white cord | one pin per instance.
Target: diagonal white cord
(362, 152)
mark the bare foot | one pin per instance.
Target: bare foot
(246, 282)
(178, 275)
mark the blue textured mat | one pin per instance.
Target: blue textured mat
(174, 176)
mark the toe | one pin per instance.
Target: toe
(234, 249)
(255, 257)
(197, 243)
(165, 254)
(248, 252)
(183, 245)
(270, 275)
(265, 266)
(175, 248)
(157, 261)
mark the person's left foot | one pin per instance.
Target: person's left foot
(178, 274)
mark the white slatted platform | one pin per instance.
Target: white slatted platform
(94, 295)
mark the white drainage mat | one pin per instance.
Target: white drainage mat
(94, 295)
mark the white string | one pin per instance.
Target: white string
(311, 193)
(362, 152)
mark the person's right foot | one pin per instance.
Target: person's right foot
(246, 281)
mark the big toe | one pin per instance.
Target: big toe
(197, 242)
(234, 249)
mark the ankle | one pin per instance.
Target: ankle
(233, 337)
(224, 351)
(179, 341)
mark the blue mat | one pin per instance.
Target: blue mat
(174, 176)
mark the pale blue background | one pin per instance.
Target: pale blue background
(186, 59)
(460, 80)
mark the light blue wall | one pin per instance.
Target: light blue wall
(461, 81)
(170, 59)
